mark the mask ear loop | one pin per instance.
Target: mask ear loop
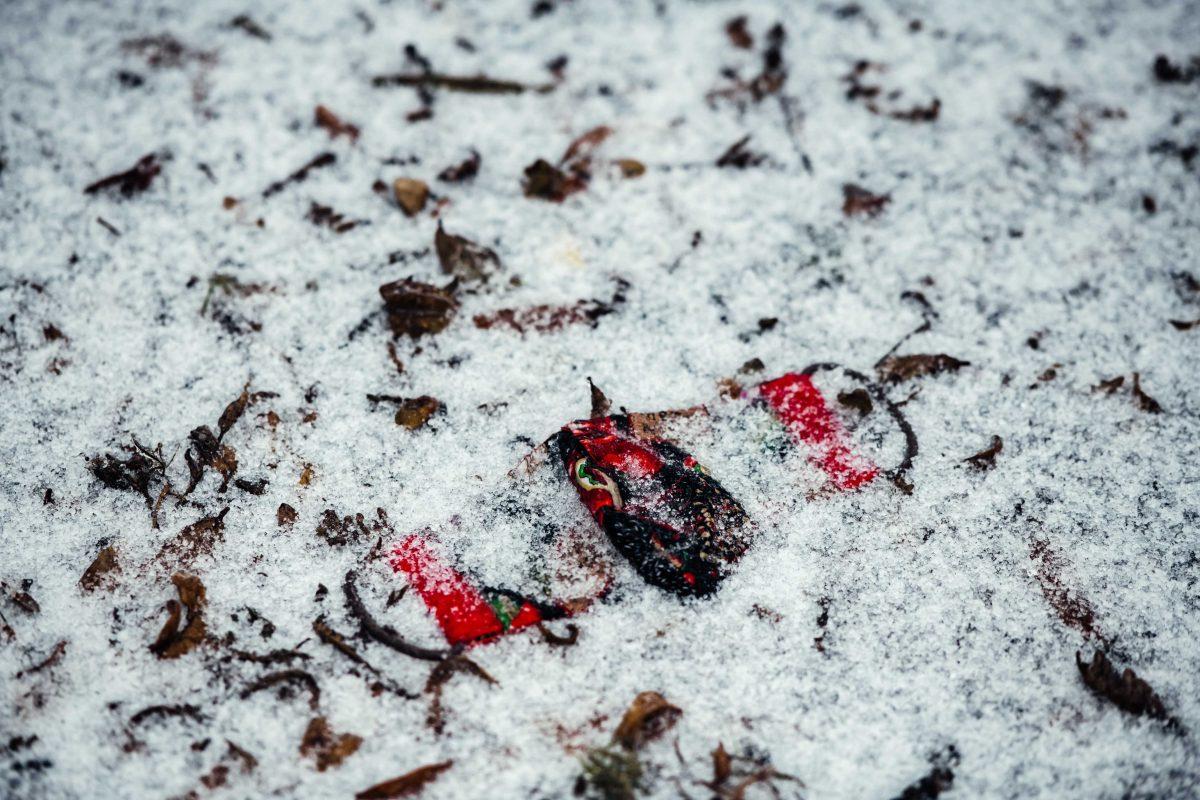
(878, 393)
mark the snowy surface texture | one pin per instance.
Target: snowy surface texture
(870, 643)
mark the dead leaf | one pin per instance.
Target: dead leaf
(857, 201)
(601, 406)
(1145, 402)
(1184, 325)
(102, 571)
(897, 369)
(630, 167)
(738, 35)
(415, 309)
(411, 195)
(285, 516)
(648, 717)
(986, 459)
(232, 413)
(406, 785)
(857, 399)
(1126, 690)
(324, 747)
(194, 541)
(415, 412)
(438, 677)
(738, 156)
(56, 654)
(1109, 386)
(462, 171)
(548, 182)
(173, 642)
(326, 119)
(465, 260)
(548, 318)
(338, 531)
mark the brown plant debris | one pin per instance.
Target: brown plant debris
(134, 180)
(439, 676)
(328, 217)
(734, 775)
(1144, 401)
(141, 472)
(1184, 325)
(194, 541)
(334, 125)
(647, 718)
(406, 785)
(1110, 386)
(384, 634)
(857, 399)
(174, 641)
(338, 531)
(986, 459)
(467, 261)
(601, 405)
(738, 34)
(1125, 690)
(152, 712)
(102, 572)
(462, 171)
(769, 81)
(285, 677)
(479, 84)
(1166, 71)
(285, 516)
(415, 309)
(1072, 608)
(411, 195)
(250, 27)
(300, 175)
(556, 182)
(897, 369)
(50, 661)
(857, 201)
(323, 746)
(939, 779)
(164, 51)
(871, 95)
(548, 318)
(738, 156)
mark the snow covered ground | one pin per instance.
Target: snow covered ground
(1023, 177)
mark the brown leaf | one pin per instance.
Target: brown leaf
(857, 399)
(1184, 325)
(173, 642)
(285, 516)
(306, 475)
(1072, 608)
(601, 406)
(739, 37)
(232, 413)
(722, 765)
(857, 201)
(986, 459)
(326, 119)
(411, 195)
(134, 180)
(648, 717)
(462, 171)
(56, 654)
(415, 412)
(1126, 690)
(631, 167)
(548, 182)
(338, 531)
(1145, 402)
(286, 676)
(406, 785)
(439, 676)
(548, 318)
(585, 145)
(324, 747)
(327, 217)
(102, 571)
(1109, 386)
(194, 541)
(465, 260)
(415, 309)
(896, 369)
(738, 156)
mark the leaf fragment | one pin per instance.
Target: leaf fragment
(323, 746)
(406, 785)
(1144, 401)
(1125, 690)
(174, 641)
(415, 309)
(331, 122)
(858, 201)
(465, 260)
(102, 571)
(986, 459)
(647, 718)
(897, 369)
(411, 195)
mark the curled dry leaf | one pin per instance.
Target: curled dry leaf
(406, 785)
(411, 195)
(465, 260)
(986, 459)
(897, 369)
(102, 571)
(601, 405)
(415, 309)
(285, 516)
(174, 641)
(648, 717)
(327, 749)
